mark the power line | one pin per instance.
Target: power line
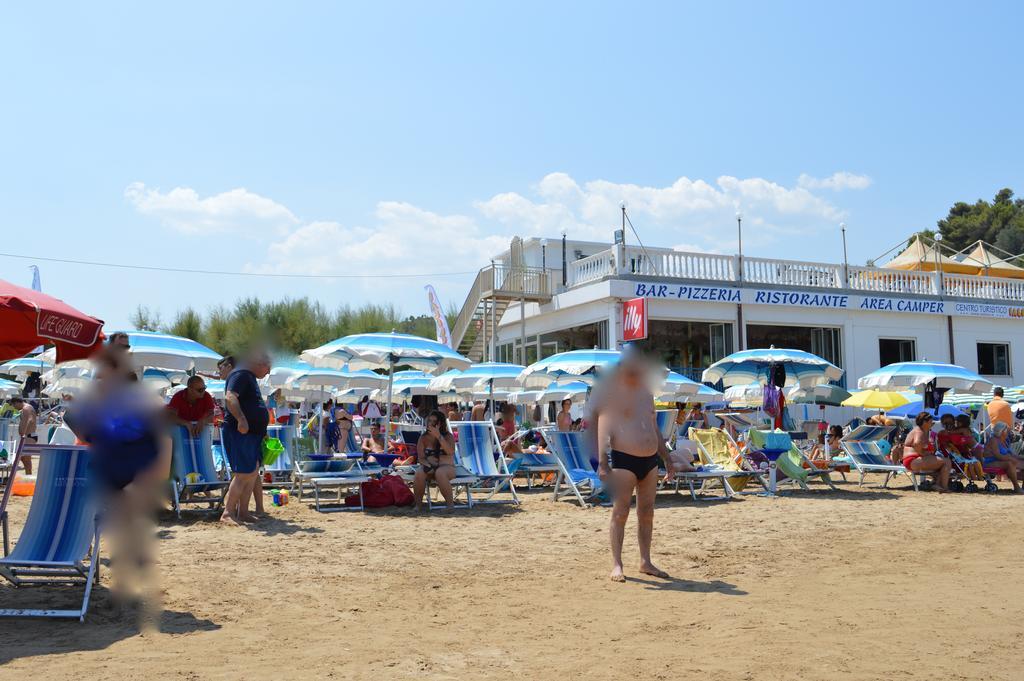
(278, 275)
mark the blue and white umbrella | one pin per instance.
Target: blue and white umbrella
(489, 378)
(574, 365)
(284, 370)
(751, 366)
(1015, 394)
(445, 382)
(164, 351)
(577, 391)
(161, 379)
(678, 388)
(23, 366)
(380, 350)
(9, 388)
(326, 377)
(706, 394)
(914, 375)
(409, 383)
(911, 409)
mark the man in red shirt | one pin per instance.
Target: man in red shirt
(192, 407)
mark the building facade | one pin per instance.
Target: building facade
(702, 306)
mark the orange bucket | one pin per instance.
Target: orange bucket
(23, 488)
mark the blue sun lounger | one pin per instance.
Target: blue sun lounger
(478, 452)
(866, 455)
(667, 425)
(59, 543)
(575, 452)
(195, 480)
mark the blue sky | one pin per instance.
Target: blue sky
(419, 137)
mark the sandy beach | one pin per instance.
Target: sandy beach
(860, 584)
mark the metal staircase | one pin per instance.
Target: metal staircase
(494, 289)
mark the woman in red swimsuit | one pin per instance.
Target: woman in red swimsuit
(919, 453)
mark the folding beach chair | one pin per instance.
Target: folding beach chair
(789, 461)
(338, 474)
(574, 451)
(719, 452)
(667, 425)
(534, 463)
(60, 541)
(478, 449)
(195, 480)
(281, 469)
(861, 445)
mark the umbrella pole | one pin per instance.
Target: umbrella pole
(320, 434)
(490, 383)
(391, 381)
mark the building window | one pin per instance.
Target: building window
(994, 359)
(893, 350)
(825, 342)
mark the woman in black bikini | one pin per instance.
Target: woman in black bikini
(435, 452)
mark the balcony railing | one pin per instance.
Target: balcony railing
(723, 268)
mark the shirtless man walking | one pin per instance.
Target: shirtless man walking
(624, 425)
(27, 425)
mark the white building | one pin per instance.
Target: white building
(700, 309)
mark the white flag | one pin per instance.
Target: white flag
(443, 334)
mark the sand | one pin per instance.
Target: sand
(859, 584)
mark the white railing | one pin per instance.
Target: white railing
(592, 268)
(770, 271)
(792, 273)
(991, 288)
(882, 280)
(678, 264)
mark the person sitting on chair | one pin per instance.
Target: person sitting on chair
(435, 452)
(999, 455)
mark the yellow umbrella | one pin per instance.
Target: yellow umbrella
(876, 399)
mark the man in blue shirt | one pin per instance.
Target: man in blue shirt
(245, 426)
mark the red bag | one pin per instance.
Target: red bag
(380, 493)
(400, 493)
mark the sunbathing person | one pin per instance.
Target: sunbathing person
(919, 455)
(374, 444)
(625, 432)
(999, 455)
(830, 443)
(435, 452)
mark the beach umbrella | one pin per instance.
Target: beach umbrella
(9, 388)
(912, 409)
(747, 395)
(574, 365)
(704, 395)
(577, 391)
(283, 371)
(30, 318)
(822, 395)
(164, 351)
(21, 367)
(1015, 394)
(881, 400)
(352, 395)
(444, 382)
(408, 383)
(161, 379)
(913, 375)
(386, 350)
(320, 381)
(751, 366)
(488, 378)
(679, 388)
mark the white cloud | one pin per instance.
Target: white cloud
(401, 238)
(237, 210)
(836, 182)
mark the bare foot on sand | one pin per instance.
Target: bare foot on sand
(248, 518)
(229, 519)
(650, 569)
(616, 575)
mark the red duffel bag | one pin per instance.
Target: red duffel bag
(379, 493)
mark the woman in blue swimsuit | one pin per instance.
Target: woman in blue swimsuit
(998, 454)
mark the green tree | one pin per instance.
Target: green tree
(145, 319)
(999, 222)
(188, 324)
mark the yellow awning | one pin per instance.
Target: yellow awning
(924, 258)
(989, 264)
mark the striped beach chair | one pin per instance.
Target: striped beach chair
(59, 543)
(575, 453)
(281, 470)
(478, 451)
(667, 425)
(719, 452)
(195, 480)
(862, 446)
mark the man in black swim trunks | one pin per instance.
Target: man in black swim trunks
(629, 444)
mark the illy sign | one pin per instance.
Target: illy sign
(634, 319)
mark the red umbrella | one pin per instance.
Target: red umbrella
(29, 318)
